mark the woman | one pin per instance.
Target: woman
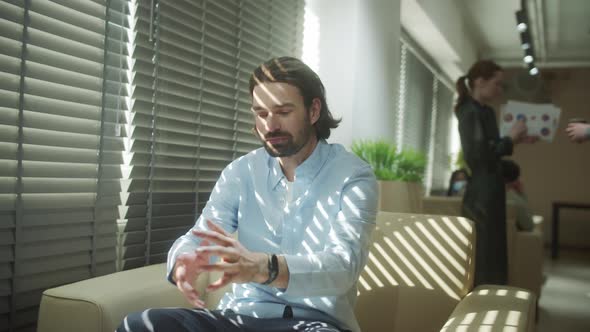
(484, 201)
(458, 182)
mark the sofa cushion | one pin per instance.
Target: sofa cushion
(493, 308)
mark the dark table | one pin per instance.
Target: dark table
(555, 226)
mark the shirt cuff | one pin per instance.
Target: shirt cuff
(297, 276)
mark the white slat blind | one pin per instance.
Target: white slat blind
(11, 33)
(102, 127)
(190, 116)
(57, 150)
(417, 103)
(424, 113)
(442, 153)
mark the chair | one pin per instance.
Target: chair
(525, 248)
(419, 277)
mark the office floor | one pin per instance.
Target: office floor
(565, 299)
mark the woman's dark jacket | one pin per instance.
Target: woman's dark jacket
(484, 201)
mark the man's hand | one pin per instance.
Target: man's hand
(186, 270)
(578, 132)
(238, 264)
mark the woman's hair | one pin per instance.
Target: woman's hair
(294, 72)
(481, 69)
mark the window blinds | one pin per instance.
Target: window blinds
(56, 226)
(110, 142)
(191, 111)
(417, 103)
(442, 152)
(424, 114)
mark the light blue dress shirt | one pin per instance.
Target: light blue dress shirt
(321, 223)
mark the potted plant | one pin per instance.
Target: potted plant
(400, 174)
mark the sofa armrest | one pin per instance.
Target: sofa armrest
(528, 254)
(100, 304)
(494, 308)
(402, 308)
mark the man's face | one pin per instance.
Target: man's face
(283, 124)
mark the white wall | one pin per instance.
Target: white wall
(440, 28)
(358, 62)
(356, 54)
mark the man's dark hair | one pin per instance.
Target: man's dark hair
(294, 72)
(510, 170)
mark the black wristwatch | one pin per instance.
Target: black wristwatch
(273, 269)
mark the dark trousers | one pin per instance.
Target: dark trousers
(491, 257)
(201, 320)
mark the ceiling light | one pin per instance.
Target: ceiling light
(522, 24)
(525, 40)
(521, 20)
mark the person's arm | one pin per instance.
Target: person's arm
(502, 146)
(334, 270)
(477, 148)
(578, 132)
(221, 208)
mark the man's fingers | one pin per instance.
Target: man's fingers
(198, 303)
(179, 272)
(190, 293)
(195, 300)
(185, 287)
(214, 237)
(219, 283)
(225, 252)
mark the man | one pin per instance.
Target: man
(304, 211)
(578, 132)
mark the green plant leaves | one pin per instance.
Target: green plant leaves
(388, 164)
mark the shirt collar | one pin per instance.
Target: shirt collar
(306, 171)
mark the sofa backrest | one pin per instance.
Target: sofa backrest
(419, 265)
(451, 206)
(443, 205)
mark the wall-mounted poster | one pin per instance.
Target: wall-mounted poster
(542, 120)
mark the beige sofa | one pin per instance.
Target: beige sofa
(418, 278)
(525, 249)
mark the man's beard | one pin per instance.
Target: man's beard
(290, 147)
